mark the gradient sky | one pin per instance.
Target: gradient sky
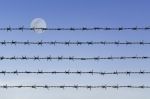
(75, 13)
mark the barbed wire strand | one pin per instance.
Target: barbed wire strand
(72, 58)
(22, 28)
(72, 43)
(75, 86)
(68, 72)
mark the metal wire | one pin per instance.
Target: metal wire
(73, 58)
(22, 28)
(72, 43)
(74, 72)
(76, 86)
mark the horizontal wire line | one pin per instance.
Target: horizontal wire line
(72, 58)
(75, 86)
(74, 72)
(22, 28)
(72, 43)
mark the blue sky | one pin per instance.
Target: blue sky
(75, 13)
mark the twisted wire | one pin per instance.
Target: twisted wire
(73, 58)
(68, 72)
(22, 28)
(72, 43)
(75, 86)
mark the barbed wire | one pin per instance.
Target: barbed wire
(72, 43)
(75, 86)
(73, 58)
(22, 28)
(68, 72)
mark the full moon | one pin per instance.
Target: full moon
(38, 23)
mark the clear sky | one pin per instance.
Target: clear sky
(75, 13)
